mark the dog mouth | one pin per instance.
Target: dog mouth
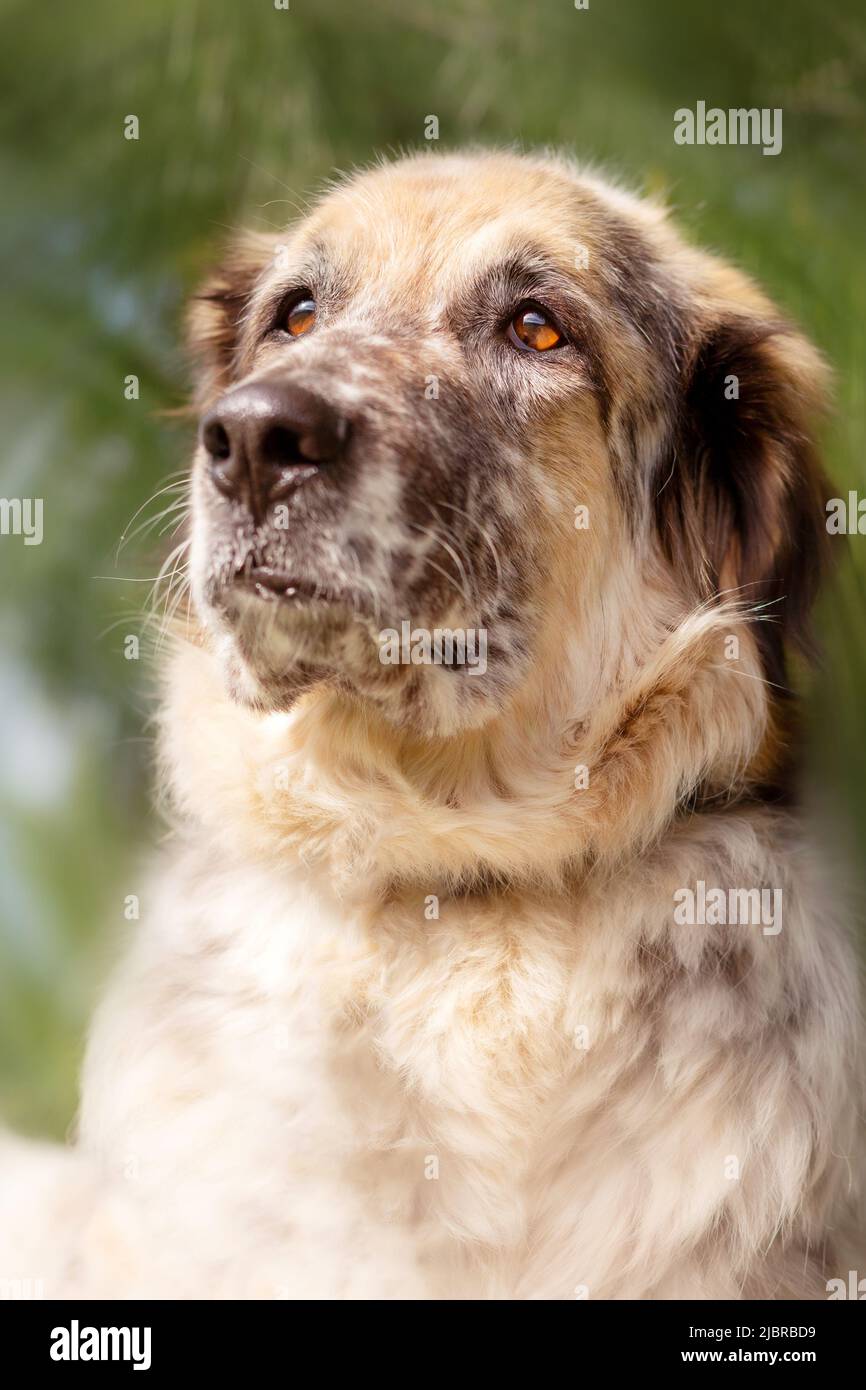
(281, 586)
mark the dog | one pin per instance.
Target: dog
(459, 979)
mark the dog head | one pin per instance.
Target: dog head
(480, 420)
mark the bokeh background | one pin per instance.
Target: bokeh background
(243, 109)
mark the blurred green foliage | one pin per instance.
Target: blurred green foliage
(243, 109)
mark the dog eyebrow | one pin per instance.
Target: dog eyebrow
(519, 272)
(315, 264)
(314, 270)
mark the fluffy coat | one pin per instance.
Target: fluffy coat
(408, 1014)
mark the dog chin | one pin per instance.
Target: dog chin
(272, 653)
(267, 692)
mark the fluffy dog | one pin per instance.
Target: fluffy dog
(417, 1007)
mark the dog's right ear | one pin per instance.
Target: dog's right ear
(216, 312)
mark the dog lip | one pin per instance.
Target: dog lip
(273, 584)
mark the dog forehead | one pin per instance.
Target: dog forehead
(433, 222)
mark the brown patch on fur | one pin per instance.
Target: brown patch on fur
(743, 505)
(216, 312)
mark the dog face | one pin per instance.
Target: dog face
(486, 398)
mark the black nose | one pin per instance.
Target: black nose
(264, 438)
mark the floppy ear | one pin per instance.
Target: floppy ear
(217, 310)
(743, 505)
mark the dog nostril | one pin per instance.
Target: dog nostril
(215, 440)
(324, 444)
(279, 447)
(282, 446)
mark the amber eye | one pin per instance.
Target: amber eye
(531, 329)
(301, 317)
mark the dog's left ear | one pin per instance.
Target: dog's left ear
(740, 502)
(216, 312)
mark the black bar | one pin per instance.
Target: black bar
(231, 1338)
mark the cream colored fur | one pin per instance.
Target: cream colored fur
(301, 1086)
(409, 1017)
